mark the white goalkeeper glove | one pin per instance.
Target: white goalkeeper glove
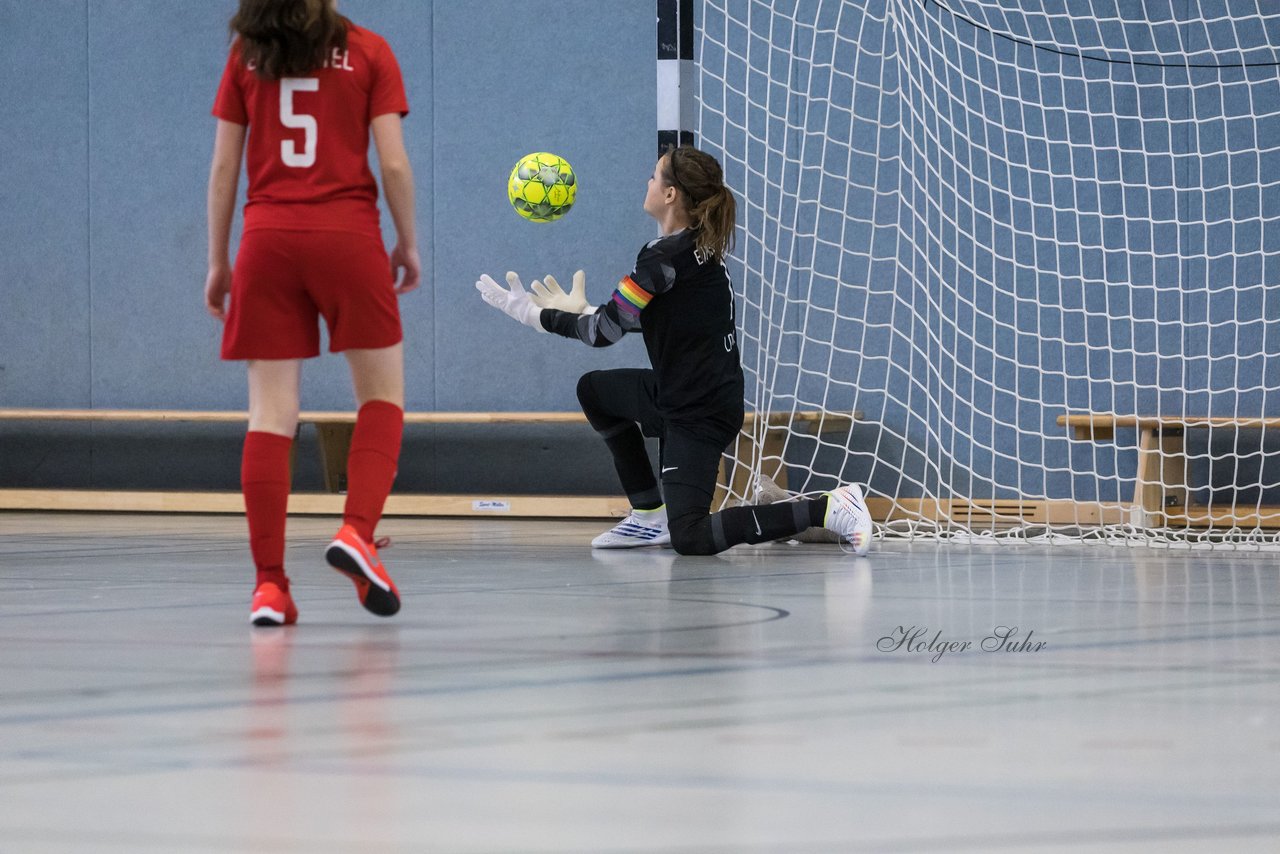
(515, 301)
(551, 295)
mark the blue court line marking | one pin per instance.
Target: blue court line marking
(1086, 791)
(1058, 672)
(1030, 794)
(919, 660)
(415, 692)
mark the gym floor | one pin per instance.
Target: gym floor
(536, 696)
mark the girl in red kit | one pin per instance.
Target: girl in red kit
(305, 87)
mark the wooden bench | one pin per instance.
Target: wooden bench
(1161, 497)
(333, 433)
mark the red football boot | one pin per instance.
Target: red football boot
(272, 606)
(358, 560)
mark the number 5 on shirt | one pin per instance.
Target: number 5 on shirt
(299, 121)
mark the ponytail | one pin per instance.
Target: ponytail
(716, 218)
(713, 212)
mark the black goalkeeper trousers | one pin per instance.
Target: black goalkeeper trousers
(622, 407)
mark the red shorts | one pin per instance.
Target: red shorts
(284, 281)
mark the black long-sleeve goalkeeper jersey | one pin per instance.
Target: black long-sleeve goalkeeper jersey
(682, 302)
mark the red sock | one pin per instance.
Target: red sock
(371, 465)
(264, 478)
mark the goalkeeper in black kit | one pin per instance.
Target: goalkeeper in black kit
(680, 298)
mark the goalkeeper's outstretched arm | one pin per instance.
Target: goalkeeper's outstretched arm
(550, 309)
(599, 328)
(607, 323)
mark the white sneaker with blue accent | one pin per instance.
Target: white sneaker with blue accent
(848, 516)
(641, 528)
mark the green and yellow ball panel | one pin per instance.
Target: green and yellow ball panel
(542, 187)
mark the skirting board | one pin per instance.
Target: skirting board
(324, 504)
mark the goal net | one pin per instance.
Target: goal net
(965, 220)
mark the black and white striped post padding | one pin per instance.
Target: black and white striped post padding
(676, 92)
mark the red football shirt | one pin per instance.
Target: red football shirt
(307, 151)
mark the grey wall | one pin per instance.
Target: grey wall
(970, 317)
(105, 140)
(44, 218)
(104, 159)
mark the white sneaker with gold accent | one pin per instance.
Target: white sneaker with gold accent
(848, 516)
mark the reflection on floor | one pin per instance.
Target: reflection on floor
(534, 695)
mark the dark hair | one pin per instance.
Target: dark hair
(709, 203)
(285, 38)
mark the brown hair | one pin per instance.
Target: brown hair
(709, 203)
(285, 38)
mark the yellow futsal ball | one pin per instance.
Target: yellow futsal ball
(542, 187)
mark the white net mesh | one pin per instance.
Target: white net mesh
(967, 221)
